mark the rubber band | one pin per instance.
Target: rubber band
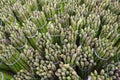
(66, 26)
(8, 52)
(2, 76)
(59, 15)
(49, 19)
(23, 45)
(1, 22)
(30, 17)
(99, 56)
(108, 70)
(42, 26)
(10, 64)
(25, 21)
(19, 16)
(59, 8)
(33, 35)
(57, 62)
(15, 21)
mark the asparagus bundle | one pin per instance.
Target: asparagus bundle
(114, 6)
(46, 69)
(39, 19)
(49, 12)
(111, 33)
(85, 59)
(65, 72)
(7, 18)
(103, 52)
(24, 75)
(69, 35)
(63, 19)
(87, 36)
(55, 30)
(41, 42)
(53, 52)
(101, 76)
(113, 70)
(18, 39)
(19, 12)
(69, 54)
(30, 32)
(12, 58)
(32, 56)
(110, 72)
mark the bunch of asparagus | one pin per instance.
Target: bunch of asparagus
(60, 40)
(110, 72)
